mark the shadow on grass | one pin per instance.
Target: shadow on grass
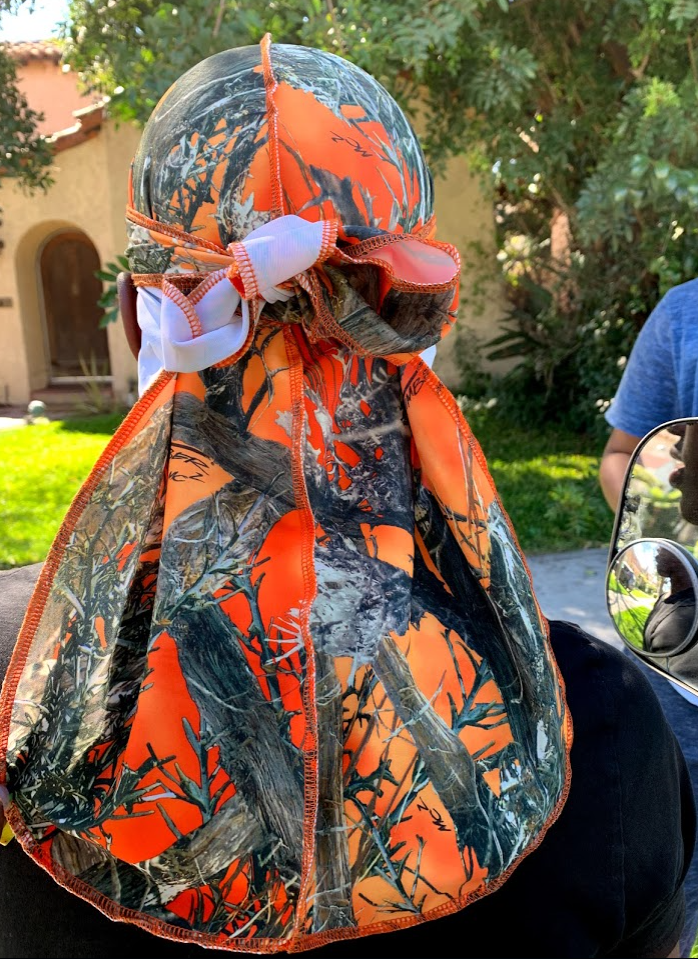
(104, 423)
(548, 482)
(500, 439)
(554, 506)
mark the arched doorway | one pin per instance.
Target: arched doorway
(67, 266)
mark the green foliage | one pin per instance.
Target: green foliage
(25, 154)
(613, 147)
(547, 479)
(134, 49)
(572, 340)
(109, 298)
(595, 162)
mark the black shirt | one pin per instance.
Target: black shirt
(668, 625)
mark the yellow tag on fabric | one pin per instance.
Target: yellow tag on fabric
(6, 836)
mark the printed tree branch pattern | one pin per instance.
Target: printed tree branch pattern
(284, 679)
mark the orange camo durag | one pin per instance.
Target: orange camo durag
(283, 679)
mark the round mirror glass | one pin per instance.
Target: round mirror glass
(651, 593)
(660, 496)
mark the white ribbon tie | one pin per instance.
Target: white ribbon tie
(185, 334)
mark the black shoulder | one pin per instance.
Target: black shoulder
(16, 587)
(621, 732)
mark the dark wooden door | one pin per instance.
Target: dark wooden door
(71, 291)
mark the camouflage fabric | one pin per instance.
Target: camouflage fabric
(284, 679)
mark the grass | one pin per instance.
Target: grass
(547, 480)
(631, 623)
(41, 470)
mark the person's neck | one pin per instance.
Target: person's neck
(680, 582)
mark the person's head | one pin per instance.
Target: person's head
(671, 567)
(668, 564)
(259, 131)
(298, 174)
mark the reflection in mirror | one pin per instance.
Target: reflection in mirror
(684, 477)
(651, 593)
(660, 498)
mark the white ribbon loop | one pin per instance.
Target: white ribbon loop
(186, 334)
(279, 250)
(176, 335)
(193, 337)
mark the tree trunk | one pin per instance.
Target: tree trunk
(232, 834)
(261, 465)
(266, 769)
(332, 905)
(447, 762)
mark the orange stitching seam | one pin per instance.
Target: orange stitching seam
(209, 281)
(310, 751)
(271, 87)
(245, 269)
(234, 357)
(328, 246)
(155, 226)
(185, 305)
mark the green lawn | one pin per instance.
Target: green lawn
(631, 623)
(547, 481)
(41, 469)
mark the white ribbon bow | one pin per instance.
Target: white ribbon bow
(186, 334)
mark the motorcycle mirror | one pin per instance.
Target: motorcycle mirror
(658, 511)
(660, 492)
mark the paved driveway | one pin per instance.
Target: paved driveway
(571, 586)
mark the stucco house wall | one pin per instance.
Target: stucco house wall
(465, 216)
(83, 197)
(49, 87)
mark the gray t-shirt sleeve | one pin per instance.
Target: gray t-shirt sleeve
(648, 391)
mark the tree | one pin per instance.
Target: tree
(595, 155)
(137, 48)
(25, 154)
(579, 114)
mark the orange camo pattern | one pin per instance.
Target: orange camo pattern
(284, 680)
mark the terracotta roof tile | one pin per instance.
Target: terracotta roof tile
(28, 50)
(88, 124)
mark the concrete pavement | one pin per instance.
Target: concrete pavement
(571, 586)
(11, 422)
